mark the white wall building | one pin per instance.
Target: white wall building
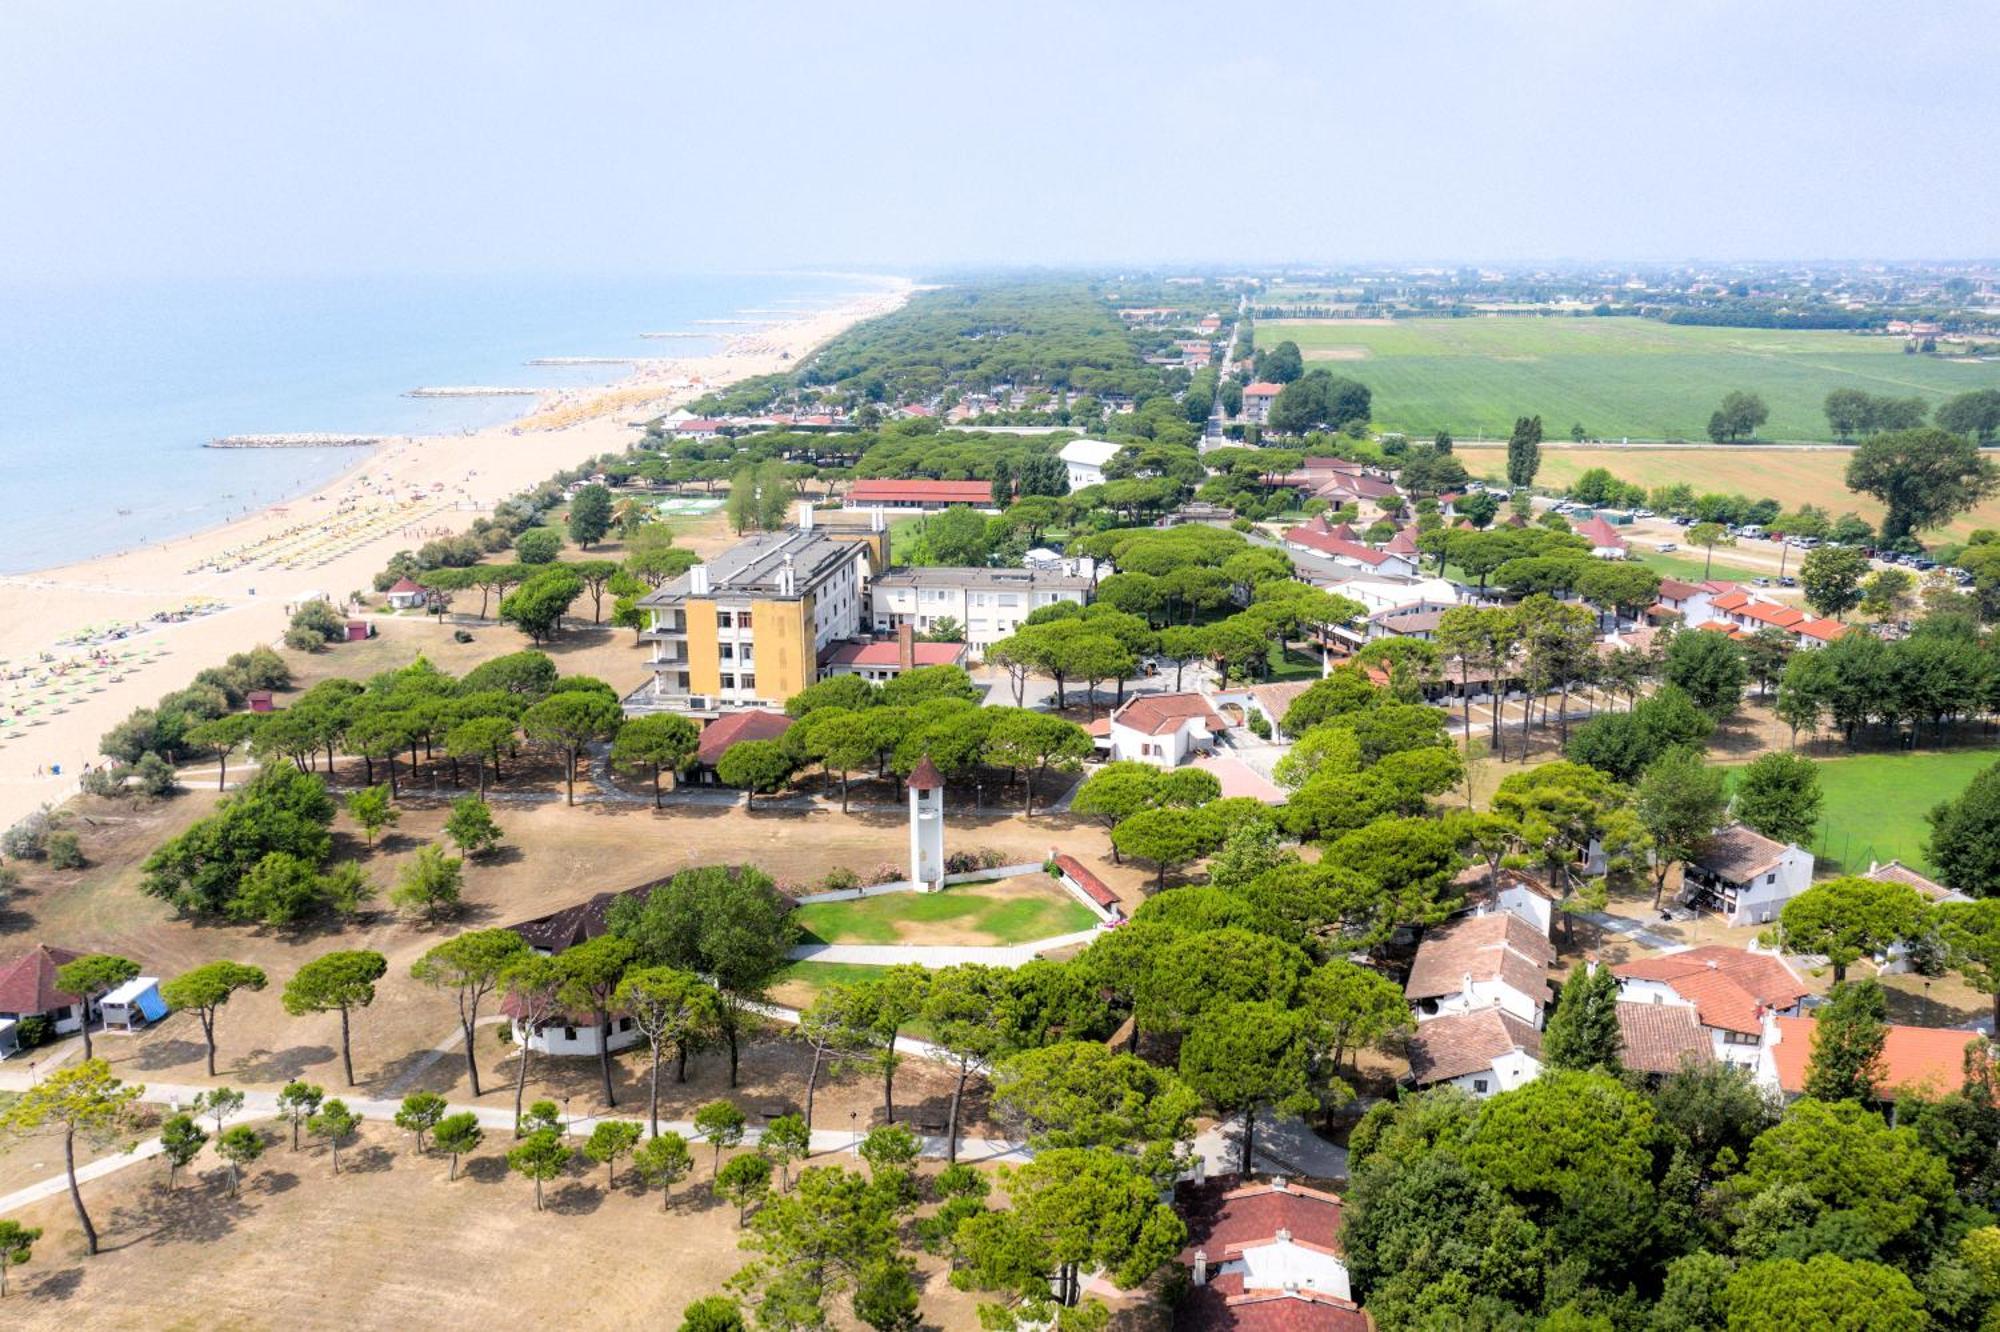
(1471, 963)
(1729, 990)
(1085, 459)
(988, 604)
(1165, 730)
(1481, 1053)
(1746, 876)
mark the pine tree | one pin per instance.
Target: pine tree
(1846, 1062)
(1524, 451)
(1583, 1030)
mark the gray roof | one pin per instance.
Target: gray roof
(1739, 853)
(750, 567)
(988, 580)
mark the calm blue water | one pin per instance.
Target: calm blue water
(108, 393)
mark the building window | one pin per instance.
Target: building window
(722, 619)
(743, 619)
(728, 681)
(569, 1033)
(749, 681)
(1741, 1038)
(727, 651)
(1479, 1085)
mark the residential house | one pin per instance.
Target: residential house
(1895, 871)
(1085, 459)
(1481, 1052)
(987, 604)
(1512, 891)
(1661, 1039)
(695, 429)
(1926, 1061)
(1165, 730)
(1728, 990)
(1497, 960)
(1746, 876)
(28, 990)
(1740, 613)
(919, 494)
(1264, 1256)
(749, 627)
(1257, 400)
(885, 659)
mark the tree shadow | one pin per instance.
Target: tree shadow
(200, 1211)
(157, 1054)
(56, 1286)
(274, 1182)
(575, 1198)
(370, 1160)
(287, 1065)
(484, 1169)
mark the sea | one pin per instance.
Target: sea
(109, 392)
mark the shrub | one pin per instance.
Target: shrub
(34, 1031)
(840, 879)
(884, 873)
(304, 640)
(28, 839)
(991, 857)
(63, 850)
(321, 618)
(961, 862)
(107, 780)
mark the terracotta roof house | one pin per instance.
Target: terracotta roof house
(1163, 729)
(1513, 891)
(1661, 1038)
(1475, 962)
(1746, 876)
(885, 659)
(1257, 400)
(730, 728)
(1264, 1256)
(918, 494)
(1318, 538)
(1895, 871)
(1403, 543)
(1482, 1052)
(1926, 1060)
(28, 990)
(1729, 990)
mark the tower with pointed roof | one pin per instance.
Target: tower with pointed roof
(927, 826)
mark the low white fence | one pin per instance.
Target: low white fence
(912, 886)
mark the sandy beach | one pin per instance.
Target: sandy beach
(226, 589)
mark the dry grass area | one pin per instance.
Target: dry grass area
(389, 1242)
(555, 855)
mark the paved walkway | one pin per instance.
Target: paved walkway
(1633, 930)
(936, 955)
(1282, 1147)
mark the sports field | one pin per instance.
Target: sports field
(1875, 804)
(1620, 378)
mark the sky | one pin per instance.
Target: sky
(200, 138)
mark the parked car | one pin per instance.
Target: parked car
(1788, 581)
(1666, 546)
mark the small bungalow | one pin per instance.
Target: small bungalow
(406, 595)
(1264, 1256)
(28, 991)
(1482, 1052)
(1163, 729)
(729, 729)
(1605, 542)
(1496, 960)
(133, 1005)
(1512, 891)
(886, 658)
(1746, 876)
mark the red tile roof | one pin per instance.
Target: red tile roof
(1263, 388)
(1927, 1059)
(1725, 985)
(1222, 1221)
(1093, 887)
(1675, 588)
(1600, 533)
(1159, 714)
(925, 776)
(405, 585)
(889, 653)
(28, 982)
(1223, 1305)
(726, 730)
(1328, 544)
(1661, 1038)
(1824, 630)
(1403, 543)
(921, 492)
(1500, 946)
(1443, 1048)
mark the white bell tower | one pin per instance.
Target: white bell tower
(927, 826)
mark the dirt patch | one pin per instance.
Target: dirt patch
(1339, 354)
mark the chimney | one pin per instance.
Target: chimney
(906, 646)
(1284, 1235)
(875, 523)
(698, 581)
(805, 515)
(788, 577)
(1201, 1267)
(1280, 1183)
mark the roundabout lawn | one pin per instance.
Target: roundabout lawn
(991, 912)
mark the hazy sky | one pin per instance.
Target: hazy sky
(199, 137)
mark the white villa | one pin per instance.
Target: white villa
(1746, 876)
(1497, 961)
(1085, 459)
(1730, 991)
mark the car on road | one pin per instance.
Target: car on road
(1665, 546)
(1761, 582)
(1788, 581)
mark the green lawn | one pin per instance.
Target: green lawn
(800, 982)
(1618, 378)
(1004, 911)
(1875, 804)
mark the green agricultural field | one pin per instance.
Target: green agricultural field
(994, 912)
(1875, 804)
(1619, 378)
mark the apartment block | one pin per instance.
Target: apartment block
(988, 604)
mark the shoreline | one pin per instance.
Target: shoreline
(329, 538)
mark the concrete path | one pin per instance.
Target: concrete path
(936, 955)
(1633, 930)
(1282, 1147)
